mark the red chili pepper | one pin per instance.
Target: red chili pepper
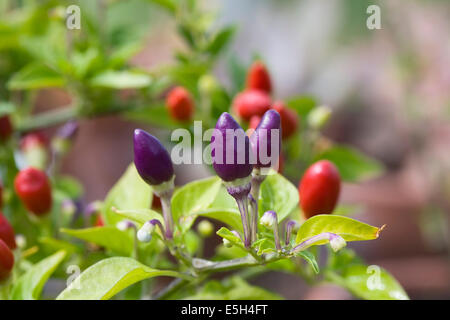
(99, 221)
(319, 188)
(6, 128)
(251, 103)
(7, 232)
(34, 139)
(1, 195)
(258, 77)
(254, 121)
(34, 190)
(180, 104)
(289, 119)
(6, 260)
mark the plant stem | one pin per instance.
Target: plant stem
(167, 213)
(174, 286)
(243, 208)
(49, 118)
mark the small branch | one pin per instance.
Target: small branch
(49, 118)
(174, 286)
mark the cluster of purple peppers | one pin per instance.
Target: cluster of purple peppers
(241, 178)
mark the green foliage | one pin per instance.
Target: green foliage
(278, 194)
(347, 228)
(352, 165)
(120, 242)
(130, 192)
(106, 278)
(29, 286)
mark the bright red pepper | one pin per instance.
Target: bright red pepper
(251, 103)
(6, 260)
(7, 232)
(6, 128)
(1, 195)
(99, 221)
(254, 121)
(180, 104)
(34, 139)
(319, 188)
(258, 77)
(289, 119)
(34, 190)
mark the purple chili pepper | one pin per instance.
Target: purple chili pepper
(264, 149)
(151, 158)
(230, 150)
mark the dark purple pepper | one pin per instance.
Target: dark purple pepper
(261, 140)
(151, 158)
(233, 170)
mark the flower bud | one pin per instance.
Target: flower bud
(266, 140)
(64, 137)
(151, 159)
(6, 128)
(144, 234)
(68, 207)
(205, 228)
(268, 219)
(6, 260)
(21, 241)
(258, 77)
(230, 150)
(227, 243)
(318, 117)
(337, 242)
(207, 84)
(7, 232)
(125, 224)
(34, 147)
(251, 103)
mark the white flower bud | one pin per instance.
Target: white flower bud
(337, 242)
(319, 117)
(268, 219)
(227, 243)
(144, 234)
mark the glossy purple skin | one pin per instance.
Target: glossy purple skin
(152, 160)
(270, 120)
(231, 171)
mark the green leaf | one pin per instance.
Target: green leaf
(194, 197)
(106, 278)
(278, 194)
(302, 104)
(109, 237)
(6, 108)
(35, 76)
(309, 257)
(140, 216)
(220, 40)
(169, 5)
(29, 286)
(129, 193)
(352, 165)
(227, 234)
(228, 216)
(120, 80)
(347, 228)
(370, 282)
(69, 186)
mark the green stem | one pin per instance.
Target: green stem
(49, 118)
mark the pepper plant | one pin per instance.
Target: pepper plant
(146, 227)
